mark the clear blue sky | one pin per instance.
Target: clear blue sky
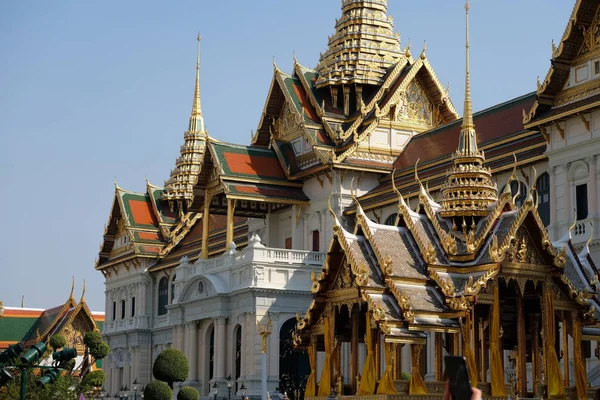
(91, 91)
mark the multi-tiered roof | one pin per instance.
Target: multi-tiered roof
(469, 189)
(363, 47)
(179, 189)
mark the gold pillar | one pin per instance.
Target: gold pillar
(482, 352)
(535, 353)
(230, 212)
(377, 347)
(455, 344)
(354, 350)
(439, 356)
(553, 376)
(521, 347)
(578, 361)
(205, 220)
(565, 349)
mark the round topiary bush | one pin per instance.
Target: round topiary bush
(188, 393)
(171, 366)
(94, 379)
(157, 390)
(57, 341)
(92, 339)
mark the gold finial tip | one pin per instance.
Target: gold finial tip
(199, 37)
(467, 6)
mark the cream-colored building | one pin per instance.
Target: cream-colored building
(236, 233)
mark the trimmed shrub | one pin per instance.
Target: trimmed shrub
(157, 390)
(99, 351)
(94, 379)
(57, 341)
(92, 339)
(188, 393)
(171, 366)
(405, 376)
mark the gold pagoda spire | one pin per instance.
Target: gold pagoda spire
(179, 188)
(196, 119)
(363, 47)
(469, 189)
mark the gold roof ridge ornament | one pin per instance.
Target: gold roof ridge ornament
(179, 189)
(469, 190)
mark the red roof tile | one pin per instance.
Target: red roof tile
(245, 164)
(491, 124)
(142, 214)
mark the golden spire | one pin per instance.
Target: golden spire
(196, 119)
(468, 137)
(363, 46)
(468, 111)
(72, 287)
(180, 185)
(469, 189)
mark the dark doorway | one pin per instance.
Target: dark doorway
(294, 367)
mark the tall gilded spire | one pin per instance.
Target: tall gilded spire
(196, 119)
(363, 47)
(469, 190)
(468, 111)
(180, 185)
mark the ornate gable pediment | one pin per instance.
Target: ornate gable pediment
(591, 36)
(289, 124)
(344, 278)
(522, 250)
(414, 106)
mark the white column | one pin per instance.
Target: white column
(592, 194)
(127, 369)
(193, 351)
(220, 352)
(568, 195)
(181, 338)
(553, 204)
(175, 336)
(263, 376)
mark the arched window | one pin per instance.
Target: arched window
(543, 191)
(391, 220)
(521, 188)
(163, 295)
(122, 309)
(173, 288)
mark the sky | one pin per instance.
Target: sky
(91, 92)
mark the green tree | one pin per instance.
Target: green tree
(188, 393)
(65, 387)
(157, 390)
(94, 379)
(171, 366)
(57, 341)
(96, 348)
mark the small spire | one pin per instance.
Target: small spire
(72, 287)
(83, 293)
(197, 120)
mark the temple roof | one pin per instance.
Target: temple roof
(500, 133)
(363, 47)
(296, 107)
(555, 98)
(30, 325)
(422, 274)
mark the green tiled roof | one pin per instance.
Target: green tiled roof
(15, 329)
